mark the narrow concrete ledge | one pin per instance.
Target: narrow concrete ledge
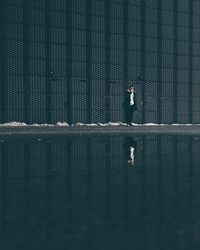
(99, 130)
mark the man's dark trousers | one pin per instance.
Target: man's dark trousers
(129, 113)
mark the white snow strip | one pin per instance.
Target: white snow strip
(18, 124)
(85, 124)
(14, 124)
(112, 124)
(62, 124)
(41, 125)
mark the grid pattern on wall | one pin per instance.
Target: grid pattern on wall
(71, 60)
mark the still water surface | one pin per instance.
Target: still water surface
(99, 193)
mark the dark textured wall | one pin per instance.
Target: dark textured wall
(71, 60)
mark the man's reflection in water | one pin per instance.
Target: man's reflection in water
(131, 150)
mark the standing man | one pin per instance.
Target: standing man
(130, 104)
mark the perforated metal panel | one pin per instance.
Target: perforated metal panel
(72, 60)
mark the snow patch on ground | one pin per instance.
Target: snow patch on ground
(41, 125)
(85, 124)
(112, 124)
(14, 124)
(65, 124)
(61, 124)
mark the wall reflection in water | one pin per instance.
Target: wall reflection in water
(100, 193)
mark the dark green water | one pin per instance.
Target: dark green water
(99, 193)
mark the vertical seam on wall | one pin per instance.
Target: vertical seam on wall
(125, 41)
(159, 61)
(26, 59)
(88, 58)
(125, 44)
(142, 33)
(190, 50)
(2, 61)
(68, 7)
(107, 60)
(48, 105)
(175, 87)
